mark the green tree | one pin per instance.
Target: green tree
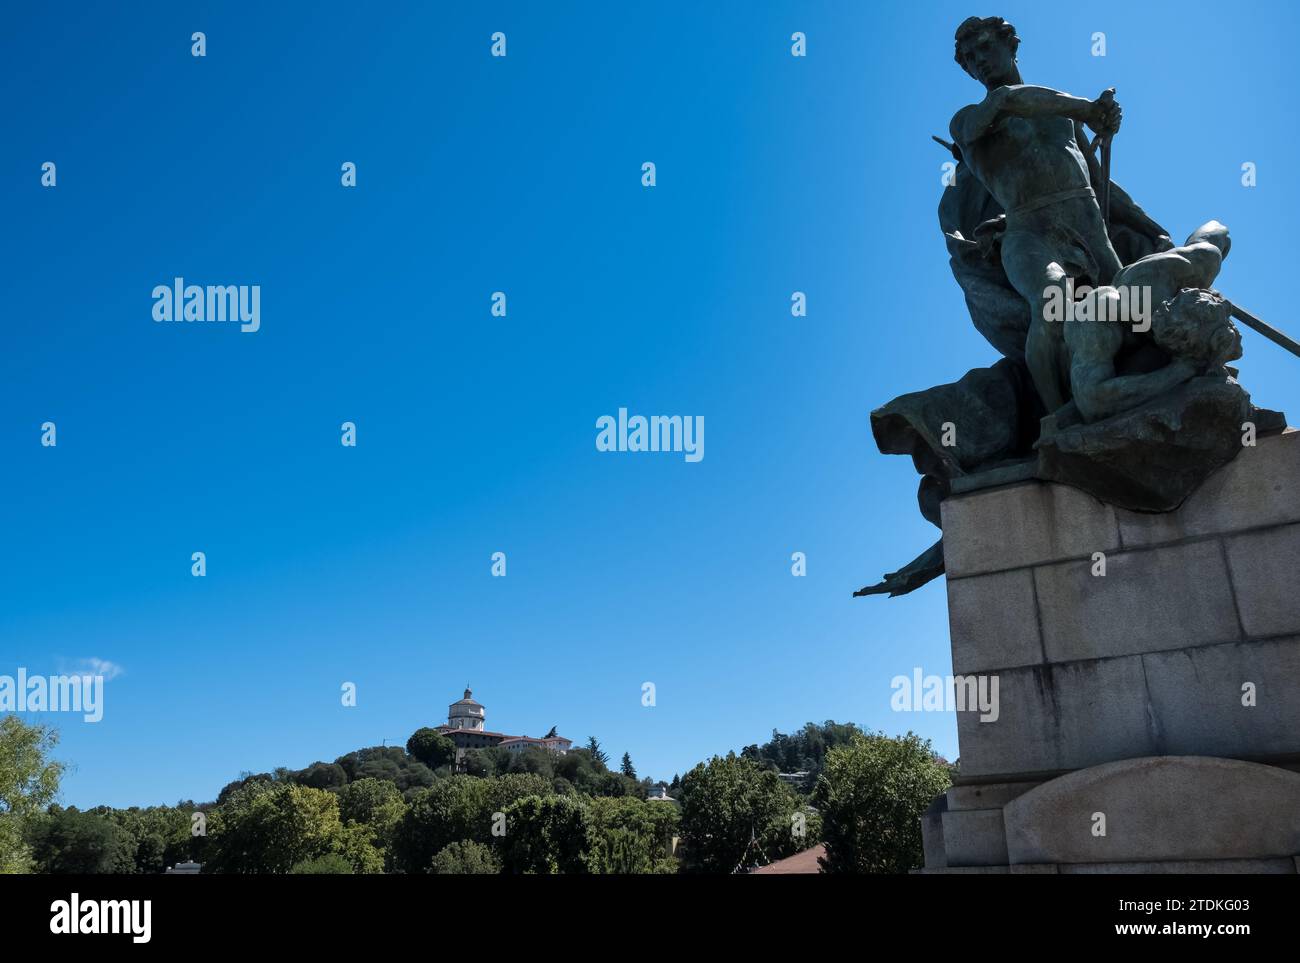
(631, 836)
(356, 844)
(391, 763)
(449, 811)
(545, 835)
(871, 796)
(76, 842)
(431, 747)
(321, 775)
(153, 838)
(271, 827)
(151, 854)
(531, 759)
(331, 864)
(244, 779)
(373, 802)
(29, 781)
(627, 768)
(579, 769)
(803, 751)
(486, 762)
(613, 784)
(465, 858)
(737, 815)
(372, 808)
(598, 757)
(460, 807)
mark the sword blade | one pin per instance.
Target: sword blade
(1105, 179)
(1267, 330)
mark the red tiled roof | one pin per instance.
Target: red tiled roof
(452, 730)
(805, 862)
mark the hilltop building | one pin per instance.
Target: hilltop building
(659, 793)
(466, 720)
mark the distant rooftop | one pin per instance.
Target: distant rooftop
(799, 863)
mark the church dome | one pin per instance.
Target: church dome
(466, 713)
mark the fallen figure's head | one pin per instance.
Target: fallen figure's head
(1194, 326)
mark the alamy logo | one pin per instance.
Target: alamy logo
(937, 693)
(684, 433)
(131, 916)
(216, 302)
(55, 693)
(1123, 304)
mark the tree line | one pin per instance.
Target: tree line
(390, 809)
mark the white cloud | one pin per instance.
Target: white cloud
(95, 666)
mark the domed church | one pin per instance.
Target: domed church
(465, 713)
(465, 726)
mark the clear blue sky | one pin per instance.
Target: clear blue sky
(476, 434)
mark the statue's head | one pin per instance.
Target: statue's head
(1195, 325)
(986, 49)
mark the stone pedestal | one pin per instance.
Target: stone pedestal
(1148, 673)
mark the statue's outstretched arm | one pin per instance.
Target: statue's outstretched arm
(924, 568)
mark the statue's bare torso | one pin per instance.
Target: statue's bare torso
(1022, 159)
(1022, 143)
